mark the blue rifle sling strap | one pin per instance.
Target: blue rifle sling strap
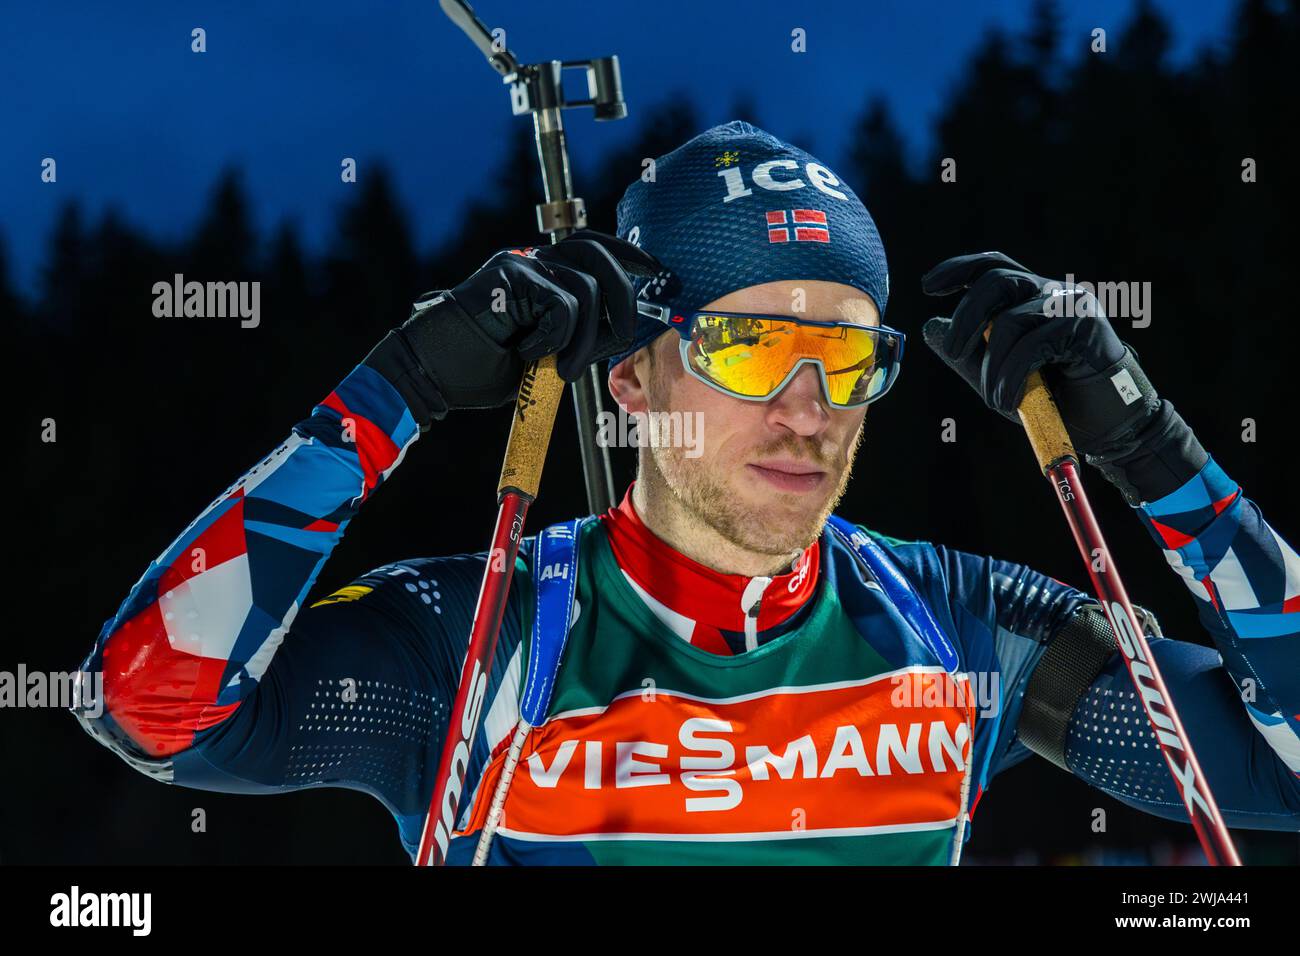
(899, 590)
(555, 580)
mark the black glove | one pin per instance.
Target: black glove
(467, 347)
(1109, 407)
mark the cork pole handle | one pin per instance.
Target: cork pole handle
(1038, 413)
(539, 397)
(1047, 435)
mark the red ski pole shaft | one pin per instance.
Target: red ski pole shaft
(1057, 458)
(530, 435)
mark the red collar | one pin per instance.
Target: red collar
(708, 597)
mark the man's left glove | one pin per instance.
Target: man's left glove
(1109, 407)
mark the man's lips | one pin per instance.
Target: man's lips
(787, 474)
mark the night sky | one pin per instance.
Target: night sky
(140, 124)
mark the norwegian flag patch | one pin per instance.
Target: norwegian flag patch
(807, 225)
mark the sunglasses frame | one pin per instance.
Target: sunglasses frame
(684, 324)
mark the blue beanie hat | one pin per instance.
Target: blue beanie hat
(735, 207)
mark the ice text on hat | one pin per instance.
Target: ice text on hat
(820, 177)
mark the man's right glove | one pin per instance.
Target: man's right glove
(467, 347)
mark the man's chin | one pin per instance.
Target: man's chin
(781, 524)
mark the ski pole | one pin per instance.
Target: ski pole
(530, 434)
(1059, 463)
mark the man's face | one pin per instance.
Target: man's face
(767, 474)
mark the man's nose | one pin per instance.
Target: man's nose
(801, 406)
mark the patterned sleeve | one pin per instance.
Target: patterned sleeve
(198, 630)
(213, 679)
(1240, 705)
(1239, 701)
(1245, 580)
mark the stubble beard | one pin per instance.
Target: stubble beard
(706, 498)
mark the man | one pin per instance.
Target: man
(717, 670)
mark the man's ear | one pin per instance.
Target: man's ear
(627, 381)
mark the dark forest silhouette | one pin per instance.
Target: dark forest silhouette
(1112, 166)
